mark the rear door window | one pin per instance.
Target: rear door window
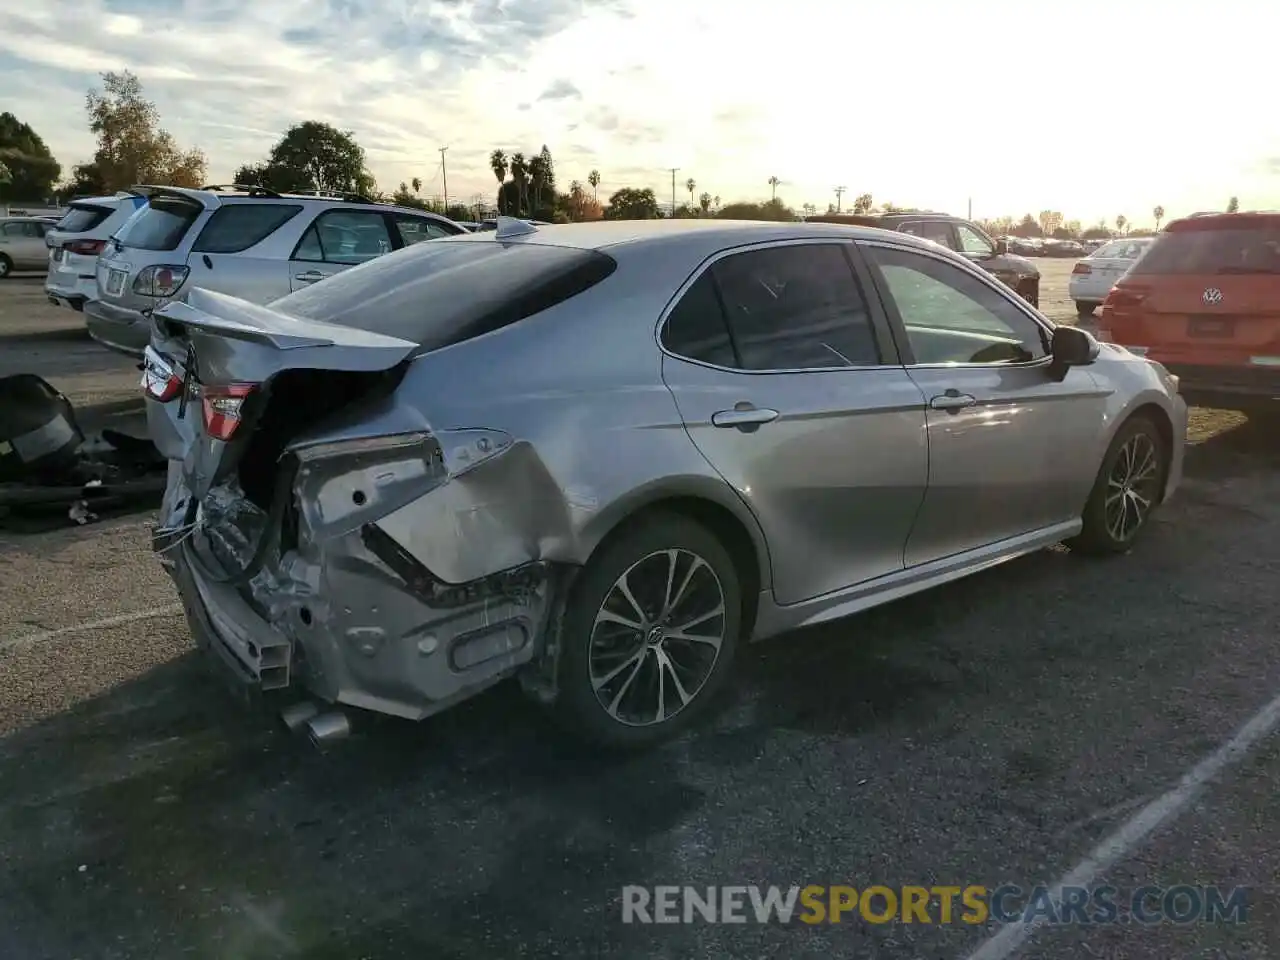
(82, 218)
(795, 307)
(939, 231)
(161, 224)
(346, 237)
(1212, 252)
(696, 328)
(238, 226)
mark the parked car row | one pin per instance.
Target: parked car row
(1093, 277)
(22, 244)
(116, 258)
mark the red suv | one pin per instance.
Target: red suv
(1205, 301)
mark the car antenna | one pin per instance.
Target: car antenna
(513, 227)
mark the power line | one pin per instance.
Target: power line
(839, 194)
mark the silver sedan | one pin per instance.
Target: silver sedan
(599, 457)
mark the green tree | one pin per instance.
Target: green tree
(862, 204)
(1233, 205)
(632, 204)
(704, 203)
(31, 171)
(774, 183)
(769, 210)
(132, 146)
(593, 178)
(1121, 222)
(520, 174)
(1027, 227)
(691, 185)
(313, 156)
(547, 181)
(405, 197)
(1158, 213)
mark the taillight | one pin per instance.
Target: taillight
(159, 280)
(1122, 298)
(159, 380)
(86, 248)
(1082, 268)
(223, 407)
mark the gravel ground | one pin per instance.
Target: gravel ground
(991, 731)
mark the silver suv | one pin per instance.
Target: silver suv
(255, 244)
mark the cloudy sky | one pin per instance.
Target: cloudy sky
(1094, 109)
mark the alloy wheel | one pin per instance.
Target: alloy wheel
(656, 637)
(1132, 488)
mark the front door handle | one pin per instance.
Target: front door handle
(743, 415)
(952, 400)
(311, 276)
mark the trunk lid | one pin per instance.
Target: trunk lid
(228, 379)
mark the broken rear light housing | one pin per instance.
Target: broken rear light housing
(86, 248)
(160, 381)
(223, 408)
(160, 280)
(1082, 268)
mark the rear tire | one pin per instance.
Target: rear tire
(6, 267)
(629, 675)
(1085, 308)
(1127, 490)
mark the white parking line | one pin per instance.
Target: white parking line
(1009, 940)
(43, 636)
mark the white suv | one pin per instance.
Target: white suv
(76, 240)
(246, 241)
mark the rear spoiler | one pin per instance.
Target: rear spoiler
(215, 313)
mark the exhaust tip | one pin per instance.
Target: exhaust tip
(325, 728)
(296, 715)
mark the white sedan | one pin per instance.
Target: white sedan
(1095, 275)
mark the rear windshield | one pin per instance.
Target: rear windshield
(1120, 250)
(82, 217)
(1213, 252)
(161, 224)
(239, 226)
(441, 293)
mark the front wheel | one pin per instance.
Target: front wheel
(649, 633)
(1128, 488)
(6, 267)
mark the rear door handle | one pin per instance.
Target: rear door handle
(743, 416)
(951, 400)
(311, 276)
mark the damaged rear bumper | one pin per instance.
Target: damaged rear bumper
(355, 620)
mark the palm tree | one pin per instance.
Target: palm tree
(1121, 222)
(538, 178)
(715, 202)
(498, 164)
(691, 186)
(773, 188)
(416, 184)
(1233, 205)
(520, 174)
(704, 203)
(1158, 213)
(593, 178)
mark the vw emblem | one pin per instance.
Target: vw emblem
(1212, 296)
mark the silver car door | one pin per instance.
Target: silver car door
(1011, 450)
(785, 379)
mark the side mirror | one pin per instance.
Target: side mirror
(1071, 347)
(1002, 247)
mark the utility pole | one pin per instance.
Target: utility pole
(444, 173)
(839, 194)
(673, 190)
(970, 217)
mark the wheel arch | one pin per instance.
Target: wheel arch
(711, 504)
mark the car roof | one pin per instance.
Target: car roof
(1245, 220)
(709, 234)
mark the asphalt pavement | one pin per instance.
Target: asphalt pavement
(994, 731)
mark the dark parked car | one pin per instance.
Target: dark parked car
(965, 238)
